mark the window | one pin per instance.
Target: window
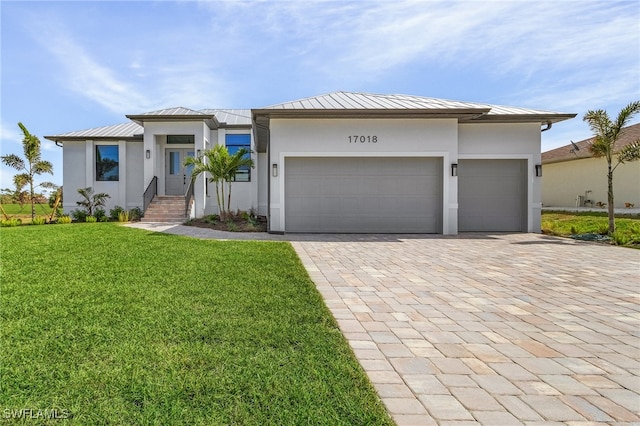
(107, 163)
(234, 143)
(180, 139)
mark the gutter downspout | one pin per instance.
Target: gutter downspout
(58, 144)
(549, 124)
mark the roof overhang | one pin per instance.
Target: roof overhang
(460, 114)
(209, 119)
(62, 138)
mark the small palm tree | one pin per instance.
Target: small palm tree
(221, 168)
(606, 134)
(91, 200)
(32, 167)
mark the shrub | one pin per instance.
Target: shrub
(79, 215)
(114, 213)
(603, 229)
(39, 220)
(231, 226)
(64, 219)
(123, 216)
(135, 213)
(90, 219)
(14, 221)
(212, 218)
(99, 214)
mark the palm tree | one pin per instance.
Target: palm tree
(221, 168)
(606, 134)
(92, 201)
(32, 167)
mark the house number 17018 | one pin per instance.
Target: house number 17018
(363, 139)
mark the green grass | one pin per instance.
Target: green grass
(25, 209)
(118, 325)
(572, 223)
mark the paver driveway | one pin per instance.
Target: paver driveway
(488, 329)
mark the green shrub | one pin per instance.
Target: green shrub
(99, 214)
(79, 215)
(135, 213)
(212, 218)
(64, 219)
(603, 229)
(14, 221)
(123, 216)
(39, 220)
(114, 213)
(231, 226)
(90, 219)
(620, 239)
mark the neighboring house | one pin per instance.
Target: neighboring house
(573, 178)
(341, 162)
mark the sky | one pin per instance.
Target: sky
(74, 65)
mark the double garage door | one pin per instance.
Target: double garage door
(400, 195)
(376, 195)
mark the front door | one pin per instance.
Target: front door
(177, 175)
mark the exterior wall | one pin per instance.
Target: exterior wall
(330, 138)
(508, 141)
(262, 175)
(134, 175)
(79, 172)
(563, 182)
(74, 166)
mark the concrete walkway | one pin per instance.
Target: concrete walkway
(502, 329)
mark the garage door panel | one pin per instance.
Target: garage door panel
(363, 195)
(492, 195)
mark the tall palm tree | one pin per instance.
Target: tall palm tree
(221, 168)
(30, 168)
(606, 134)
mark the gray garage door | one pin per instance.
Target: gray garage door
(492, 195)
(377, 195)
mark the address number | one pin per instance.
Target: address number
(363, 139)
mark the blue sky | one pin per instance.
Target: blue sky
(79, 64)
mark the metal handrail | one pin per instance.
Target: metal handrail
(188, 196)
(149, 193)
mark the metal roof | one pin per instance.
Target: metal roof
(231, 117)
(168, 112)
(569, 152)
(125, 131)
(338, 102)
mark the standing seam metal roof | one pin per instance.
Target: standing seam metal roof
(364, 101)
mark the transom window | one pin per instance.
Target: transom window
(107, 161)
(186, 139)
(233, 144)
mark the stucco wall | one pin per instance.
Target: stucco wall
(394, 137)
(563, 182)
(508, 141)
(74, 167)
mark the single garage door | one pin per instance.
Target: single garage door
(492, 195)
(373, 195)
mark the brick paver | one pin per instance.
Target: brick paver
(502, 329)
(483, 329)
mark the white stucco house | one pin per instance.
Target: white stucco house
(341, 162)
(573, 178)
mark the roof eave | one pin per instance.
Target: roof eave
(468, 114)
(63, 138)
(141, 118)
(524, 118)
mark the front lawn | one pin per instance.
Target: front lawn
(594, 223)
(108, 324)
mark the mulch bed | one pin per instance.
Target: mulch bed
(234, 224)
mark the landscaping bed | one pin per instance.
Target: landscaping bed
(593, 226)
(240, 222)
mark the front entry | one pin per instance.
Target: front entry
(177, 175)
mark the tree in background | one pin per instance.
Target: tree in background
(606, 134)
(31, 166)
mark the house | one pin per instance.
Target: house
(573, 178)
(341, 162)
